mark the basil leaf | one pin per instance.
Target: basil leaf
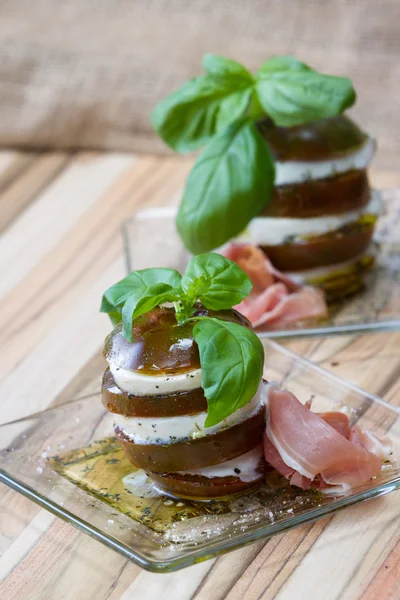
(136, 306)
(114, 313)
(234, 107)
(293, 97)
(115, 316)
(229, 184)
(281, 63)
(232, 359)
(217, 282)
(222, 68)
(202, 107)
(136, 283)
(106, 306)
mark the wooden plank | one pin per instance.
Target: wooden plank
(354, 535)
(12, 164)
(44, 222)
(25, 188)
(384, 180)
(147, 587)
(16, 512)
(384, 582)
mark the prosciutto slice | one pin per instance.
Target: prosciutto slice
(321, 451)
(258, 267)
(369, 440)
(338, 421)
(275, 299)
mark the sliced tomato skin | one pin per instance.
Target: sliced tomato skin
(172, 405)
(160, 345)
(317, 140)
(320, 251)
(319, 197)
(196, 453)
(202, 488)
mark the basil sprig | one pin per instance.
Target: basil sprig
(217, 282)
(233, 177)
(231, 355)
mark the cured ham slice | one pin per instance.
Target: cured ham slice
(369, 440)
(272, 456)
(275, 300)
(276, 307)
(321, 451)
(338, 421)
(258, 267)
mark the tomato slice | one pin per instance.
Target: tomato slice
(317, 140)
(159, 344)
(185, 455)
(203, 488)
(320, 197)
(171, 405)
(320, 251)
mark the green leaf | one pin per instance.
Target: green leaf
(294, 97)
(202, 107)
(233, 107)
(137, 283)
(281, 63)
(231, 358)
(222, 68)
(115, 317)
(217, 282)
(114, 312)
(230, 183)
(106, 306)
(136, 306)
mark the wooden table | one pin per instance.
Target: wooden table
(61, 247)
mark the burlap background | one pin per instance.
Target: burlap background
(85, 73)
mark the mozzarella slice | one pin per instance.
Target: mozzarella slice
(310, 275)
(243, 467)
(293, 171)
(167, 430)
(139, 384)
(273, 231)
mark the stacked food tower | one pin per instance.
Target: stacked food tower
(318, 226)
(153, 387)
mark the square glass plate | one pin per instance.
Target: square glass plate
(64, 460)
(151, 240)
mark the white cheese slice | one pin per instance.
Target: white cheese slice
(273, 231)
(243, 467)
(294, 171)
(310, 275)
(167, 430)
(139, 384)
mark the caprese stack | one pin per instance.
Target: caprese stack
(318, 226)
(153, 388)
